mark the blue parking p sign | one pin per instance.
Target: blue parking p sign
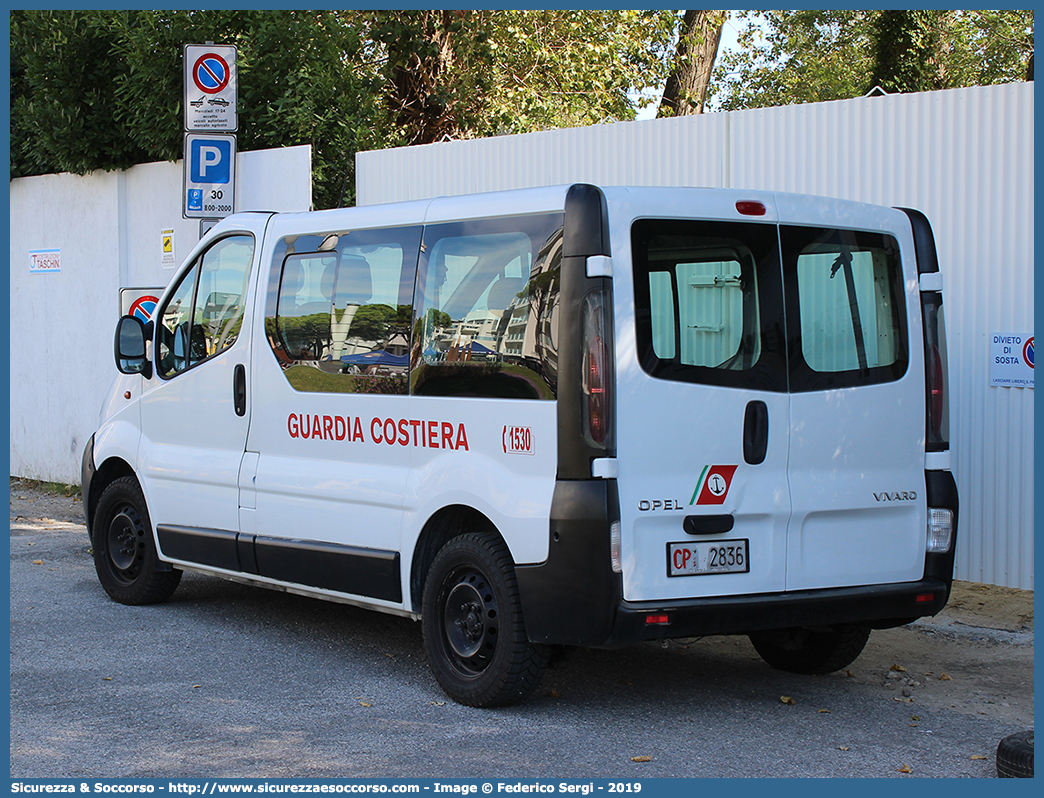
(211, 160)
(210, 176)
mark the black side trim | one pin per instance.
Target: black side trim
(570, 598)
(875, 605)
(247, 555)
(346, 569)
(924, 241)
(941, 491)
(587, 222)
(585, 232)
(214, 547)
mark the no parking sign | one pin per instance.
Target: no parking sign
(211, 88)
(1011, 360)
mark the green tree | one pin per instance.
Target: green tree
(102, 89)
(371, 322)
(463, 74)
(788, 57)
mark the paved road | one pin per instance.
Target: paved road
(233, 681)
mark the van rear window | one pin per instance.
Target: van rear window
(751, 305)
(705, 295)
(845, 293)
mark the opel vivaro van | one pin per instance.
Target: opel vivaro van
(573, 416)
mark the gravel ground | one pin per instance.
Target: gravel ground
(937, 695)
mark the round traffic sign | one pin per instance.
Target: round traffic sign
(211, 73)
(143, 308)
(1027, 352)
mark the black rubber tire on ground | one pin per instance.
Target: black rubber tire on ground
(124, 551)
(473, 628)
(811, 651)
(1015, 756)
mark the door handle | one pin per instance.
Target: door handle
(239, 389)
(755, 432)
(708, 524)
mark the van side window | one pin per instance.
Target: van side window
(707, 301)
(487, 309)
(845, 294)
(204, 315)
(340, 307)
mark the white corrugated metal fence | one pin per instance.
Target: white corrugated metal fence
(964, 157)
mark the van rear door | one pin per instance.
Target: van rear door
(857, 395)
(702, 407)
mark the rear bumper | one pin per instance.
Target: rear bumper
(574, 598)
(879, 606)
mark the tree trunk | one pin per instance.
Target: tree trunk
(420, 65)
(686, 89)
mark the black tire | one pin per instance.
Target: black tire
(810, 651)
(1015, 756)
(124, 551)
(473, 628)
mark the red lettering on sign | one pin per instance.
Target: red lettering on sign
(462, 438)
(292, 425)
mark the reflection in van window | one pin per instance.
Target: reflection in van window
(204, 315)
(339, 320)
(488, 308)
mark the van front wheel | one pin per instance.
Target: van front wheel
(124, 552)
(811, 651)
(473, 628)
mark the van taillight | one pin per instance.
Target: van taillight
(936, 392)
(596, 380)
(594, 387)
(937, 421)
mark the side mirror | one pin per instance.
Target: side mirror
(131, 335)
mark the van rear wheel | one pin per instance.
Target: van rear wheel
(124, 552)
(811, 651)
(473, 628)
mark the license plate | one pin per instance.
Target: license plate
(707, 557)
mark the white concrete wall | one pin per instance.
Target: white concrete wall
(107, 226)
(964, 157)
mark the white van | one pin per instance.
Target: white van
(561, 416)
